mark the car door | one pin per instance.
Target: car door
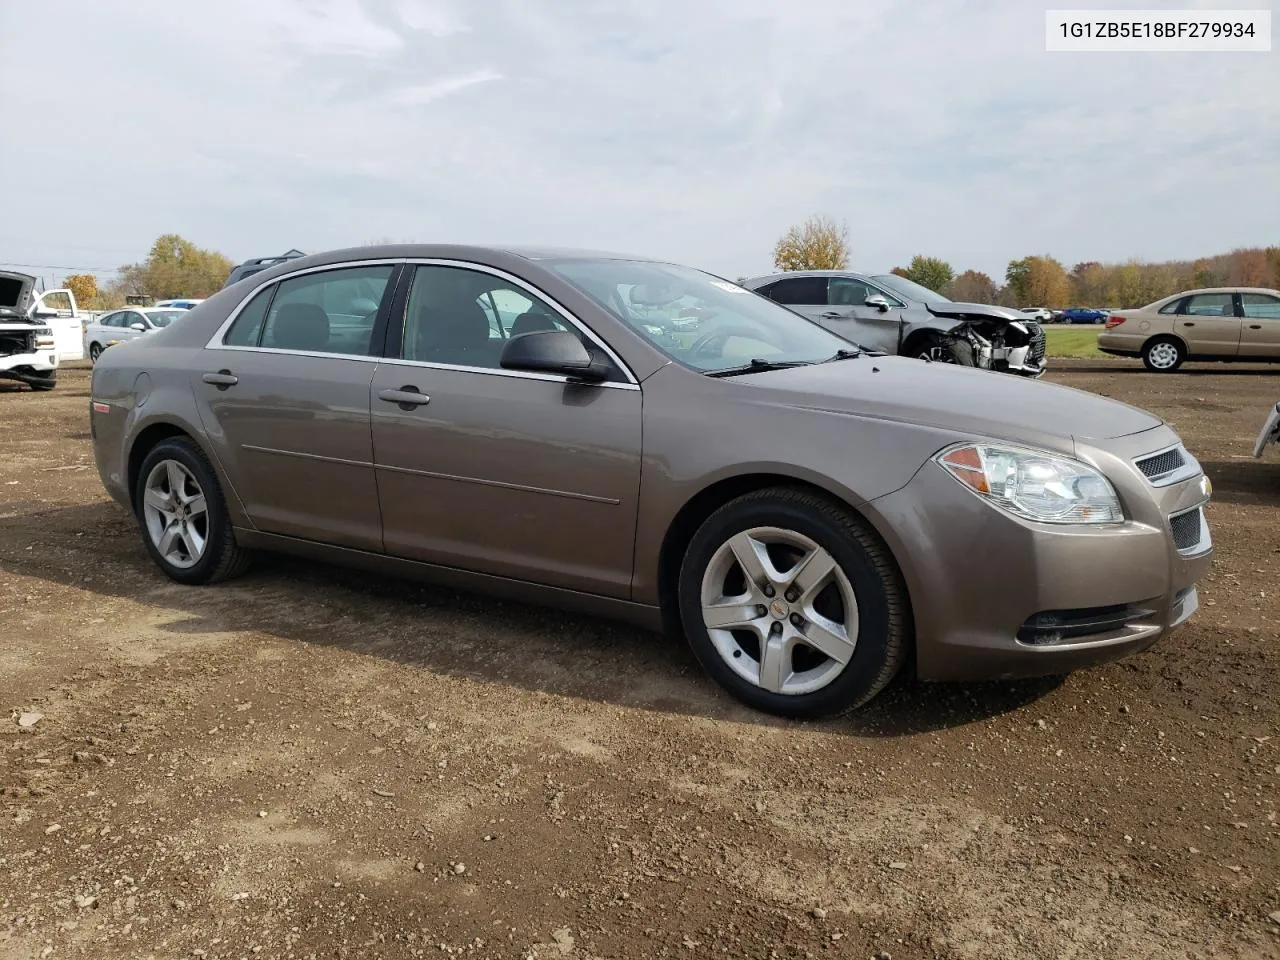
(283, 392)
(1260, 326)
(1209, 324)
(520, 475)
(873, 326)
(127, 323)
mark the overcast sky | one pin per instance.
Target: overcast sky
(691, 129)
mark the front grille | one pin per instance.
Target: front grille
(1081, 625)
(1187, 529)
(17, 342)
(1162, 464)
(1037, 351)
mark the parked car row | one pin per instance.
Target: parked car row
(646, 441)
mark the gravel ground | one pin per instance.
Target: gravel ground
(308, 762)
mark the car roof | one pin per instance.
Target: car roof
(1187, 293)
(766, 278)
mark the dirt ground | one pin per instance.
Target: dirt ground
(308, 762)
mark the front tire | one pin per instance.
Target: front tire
(936, 348)
(793, 605)
(1163, 354)
(183, 515)
(50, 381)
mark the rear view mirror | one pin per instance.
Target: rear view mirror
(551, 351)
(877, 301)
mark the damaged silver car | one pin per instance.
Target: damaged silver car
(28, 350)
(891, 314)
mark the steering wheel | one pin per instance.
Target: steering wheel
(702, 344)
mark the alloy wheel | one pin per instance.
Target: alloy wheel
(176, 514)
(779, 610)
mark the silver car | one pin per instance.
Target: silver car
(892, 314)
(121, 325)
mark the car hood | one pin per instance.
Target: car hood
(988, 310)
(969, 401)
(15, 295)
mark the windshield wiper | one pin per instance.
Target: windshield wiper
(844, 354)
(756, 365)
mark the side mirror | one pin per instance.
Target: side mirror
(140, 327)
(877, 301)
(551, 351)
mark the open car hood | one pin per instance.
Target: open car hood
(15, 295)
(987, 311)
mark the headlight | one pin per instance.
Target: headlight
(1034, 485)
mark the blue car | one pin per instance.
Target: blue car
(1082, 315)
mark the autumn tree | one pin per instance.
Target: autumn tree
(927, 271)
(1088, 284)
(972, 286)
(1037, 282)
(817, 244)
(83, 286)
(176, 267)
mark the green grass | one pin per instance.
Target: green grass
(1072, 341)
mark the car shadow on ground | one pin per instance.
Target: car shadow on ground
(96, 548)
(1246, 480)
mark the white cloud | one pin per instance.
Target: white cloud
(430, 17)
(693, 131)
(426, 93)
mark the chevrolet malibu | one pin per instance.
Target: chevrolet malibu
(642, 440)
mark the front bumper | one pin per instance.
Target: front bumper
(34, 368)
(996, 597)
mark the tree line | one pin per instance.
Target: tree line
(174, 267)
(1041, 280)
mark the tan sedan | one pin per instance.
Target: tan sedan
(1218, 323)
(646, 441)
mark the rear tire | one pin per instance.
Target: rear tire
(95, 351)
(1163, 354)
(836, 623)
(183, 515)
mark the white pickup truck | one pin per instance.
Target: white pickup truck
(29, 331)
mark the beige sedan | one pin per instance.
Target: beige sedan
(1218, 323)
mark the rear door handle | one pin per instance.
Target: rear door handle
(406, 398)
(1255, 326)
(222, 379)
(1187, 323)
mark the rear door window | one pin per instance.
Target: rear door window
(330, 311)
(1210, 305)
(800, 291)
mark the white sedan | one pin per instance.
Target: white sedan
(111, 328)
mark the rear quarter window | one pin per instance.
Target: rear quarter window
(246, 330)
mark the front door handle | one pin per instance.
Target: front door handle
(1255, 326)
(1187, 323)
(832, 315)
(222, 379)
(406, 398)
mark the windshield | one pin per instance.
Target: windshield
(910, 289)
(699, 320)
(162, 318)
